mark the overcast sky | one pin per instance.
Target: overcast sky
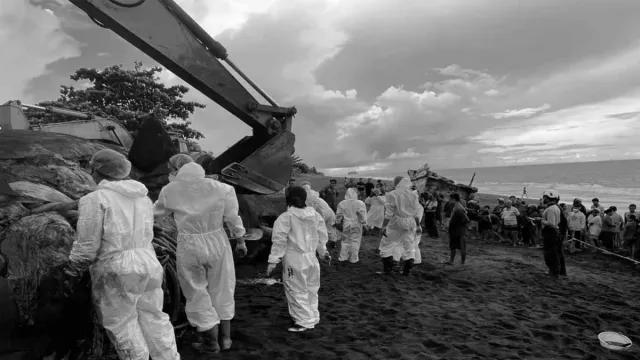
(381, 88)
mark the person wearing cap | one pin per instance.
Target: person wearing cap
(551, 223)
(114, 241)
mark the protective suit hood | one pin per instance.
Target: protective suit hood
(128, 188)
(303, 214)
(189, 172)
(404, 184)
(351, 194)
(311, 192)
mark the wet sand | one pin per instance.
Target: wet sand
(501, 305)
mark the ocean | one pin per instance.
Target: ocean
(615, 182)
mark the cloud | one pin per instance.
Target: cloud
(388, 97)
(31, 39)
(577, 132)
(524, 113)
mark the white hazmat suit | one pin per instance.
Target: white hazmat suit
(402, 208)
(375, 215)
(353, 214)
(297, 235)
(321, 206)
(204, 257)
(115, 229)
(397, 252)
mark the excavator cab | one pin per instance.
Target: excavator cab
(261, 163)
(179, 143)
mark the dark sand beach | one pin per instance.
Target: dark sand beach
(501, 305)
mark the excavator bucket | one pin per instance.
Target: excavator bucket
(266, 168)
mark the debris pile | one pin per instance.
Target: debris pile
(42, 176)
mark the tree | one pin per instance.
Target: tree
(126, 96)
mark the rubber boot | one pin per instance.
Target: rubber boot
(209, 342)
(408, 264)
(387, 266)
(395, 266)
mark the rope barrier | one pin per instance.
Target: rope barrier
(603, 250)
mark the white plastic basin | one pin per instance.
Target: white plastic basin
(614, 341)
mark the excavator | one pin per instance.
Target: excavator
(257, 164)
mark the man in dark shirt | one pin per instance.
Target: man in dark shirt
(369, 186)
(330, 195)
(457, 230)
(361, 190)
(292, 183)
(448, 208)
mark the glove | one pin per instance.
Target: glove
(327, 258)
(241, 249)
(270, 268)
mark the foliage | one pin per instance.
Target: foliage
(126, 96)
(299, 167)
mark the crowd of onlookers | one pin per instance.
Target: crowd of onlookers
(515, 220)
(519, 223)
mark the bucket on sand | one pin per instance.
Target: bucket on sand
(614, 341)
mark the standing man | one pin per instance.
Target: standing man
(368, 187)
(618, 223)
(350, 184)
(361, 190)
(448, 210)
(510, 222)
(553, 249)
(330, 194)
(457, 229)
(577, 225)
(292, 183)
(400, 225)
(596, 205)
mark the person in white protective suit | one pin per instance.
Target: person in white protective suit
(401, 224)
(352, 213)
(297, 235)
(321, 206)
(114, 241)
(204, 257)
(397, 251)
(375, 215)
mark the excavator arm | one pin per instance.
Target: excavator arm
(260, 163)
